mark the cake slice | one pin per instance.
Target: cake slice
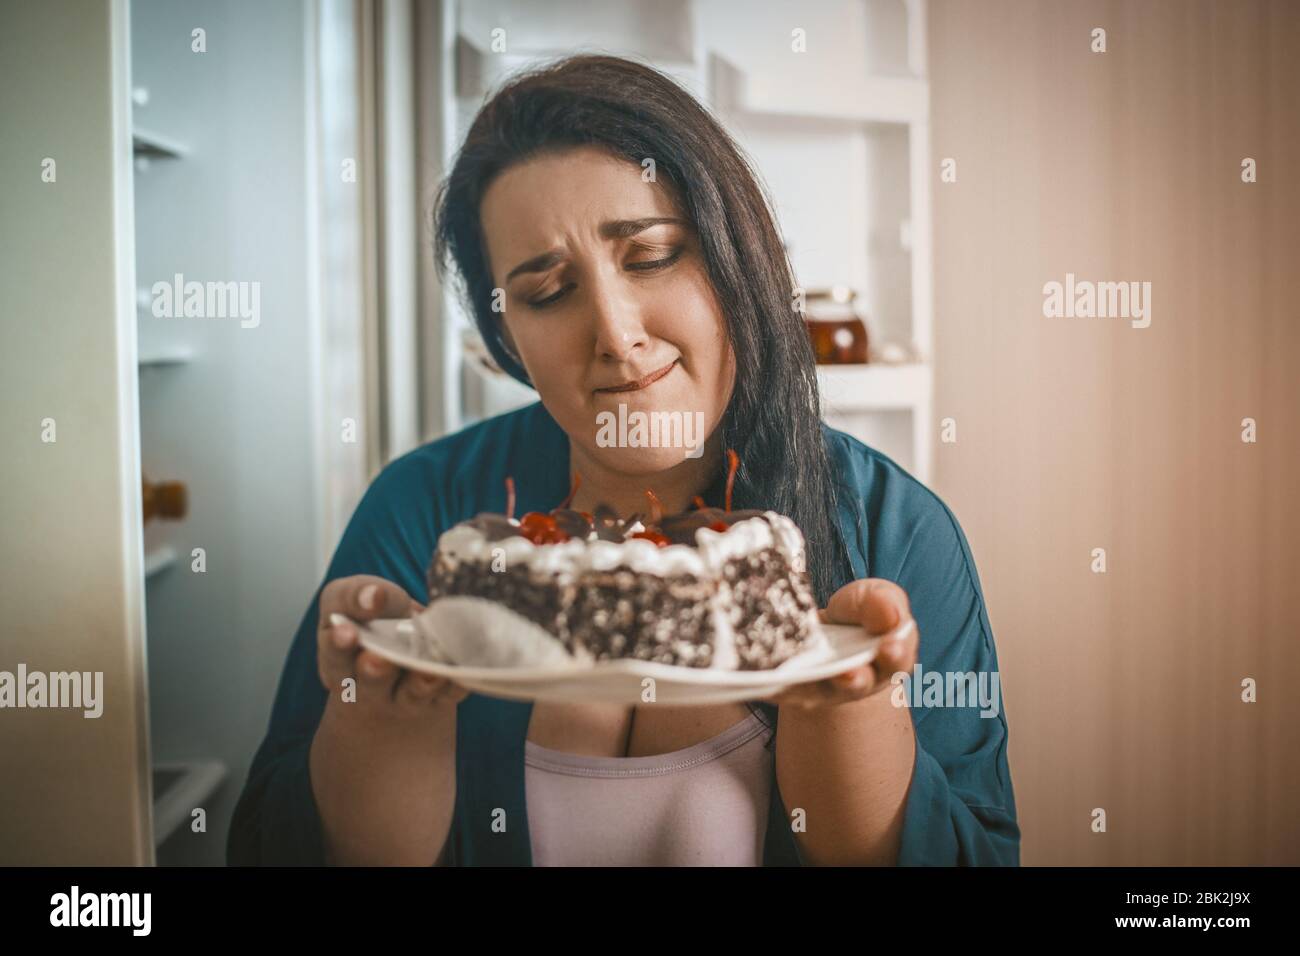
(707, 588)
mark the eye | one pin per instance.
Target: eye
(652, 265)
(550, 299)
(649, 265)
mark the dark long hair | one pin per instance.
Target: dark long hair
(635, 112)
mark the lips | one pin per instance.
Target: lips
(646, 382)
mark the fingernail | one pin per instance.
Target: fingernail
(901, 633)
(342, 629)
(367, 596)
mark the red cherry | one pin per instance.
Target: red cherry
(540, 529)
(654, 536)
(719, 526)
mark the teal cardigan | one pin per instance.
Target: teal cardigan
(960, 808)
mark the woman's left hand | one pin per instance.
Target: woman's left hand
(883, 609)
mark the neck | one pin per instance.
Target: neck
(625, 493)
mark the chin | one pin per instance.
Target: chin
(638, 461)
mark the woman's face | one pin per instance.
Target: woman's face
(607, 303)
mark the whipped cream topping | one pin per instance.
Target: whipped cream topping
(466, 544)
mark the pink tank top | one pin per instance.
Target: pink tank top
(706, 805)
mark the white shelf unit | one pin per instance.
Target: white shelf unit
(881, 387)
(496, 38)
(855, 109)
(840, 136)
(479, 71)
(859, 399)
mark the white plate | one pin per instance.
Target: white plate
(622, 681)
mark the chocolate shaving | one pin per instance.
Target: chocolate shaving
(731, 517)
(681, 528)
(608, 527)
(495, 527)
(571, 523)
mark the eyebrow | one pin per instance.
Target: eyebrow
(614, 229)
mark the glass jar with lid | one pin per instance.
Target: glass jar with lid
(838, 333)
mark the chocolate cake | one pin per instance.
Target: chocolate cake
(707, 588)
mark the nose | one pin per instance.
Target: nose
(616, 322)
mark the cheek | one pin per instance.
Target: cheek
(721, 370)
(697, 328)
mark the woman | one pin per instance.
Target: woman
(616, 249)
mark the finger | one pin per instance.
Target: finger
(336, 648)
(859, 678)
(806, 695)
(367, 597)
(415, 690)
(426, 689)
(878, 605)
(374, 674)
(898, 651)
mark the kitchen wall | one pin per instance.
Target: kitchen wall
(1124, 688)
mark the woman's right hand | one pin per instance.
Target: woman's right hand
(383, 689)
(393, 746)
